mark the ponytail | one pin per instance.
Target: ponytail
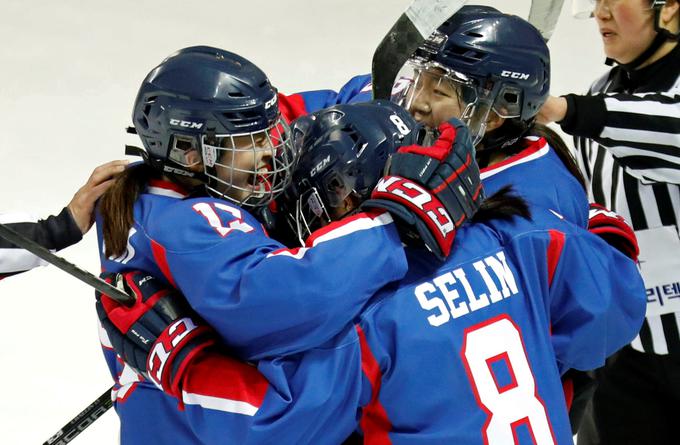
(117, 207)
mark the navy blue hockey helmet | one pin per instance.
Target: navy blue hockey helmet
(492, 62)
(204, 105)
(343, 154)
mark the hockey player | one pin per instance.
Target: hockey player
(626, 133)
(468, 352)
(492, 70)
(60, 231)
(209, 120)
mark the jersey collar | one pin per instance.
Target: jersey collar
(166, 188)
(535, 147)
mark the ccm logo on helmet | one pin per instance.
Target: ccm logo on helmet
(320, 166)
(186, 124)
(514, 75)
(270, 103)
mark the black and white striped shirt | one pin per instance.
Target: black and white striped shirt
(54, 232)
(627, 139)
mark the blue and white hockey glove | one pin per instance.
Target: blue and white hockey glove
(431, 191)
(159, 334)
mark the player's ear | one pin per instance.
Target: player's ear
(669, 15)
(494, 121)
(348, 205)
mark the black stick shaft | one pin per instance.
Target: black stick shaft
(84, 419)
(391, 54)
(70, 268)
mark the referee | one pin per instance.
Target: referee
(627, 139)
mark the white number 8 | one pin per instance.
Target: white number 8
(514, 404)
(399, 123)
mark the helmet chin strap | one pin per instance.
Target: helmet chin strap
(511, 131)
(162, 167)
(659, 40)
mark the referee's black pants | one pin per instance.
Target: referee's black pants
(637, 402)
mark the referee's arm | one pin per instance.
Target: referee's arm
(54, 233)
(642, 130)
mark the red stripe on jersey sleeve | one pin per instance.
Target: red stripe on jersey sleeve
(162, 261)
(217, 375)
(554, 251)
(568, 388)
(374, 421)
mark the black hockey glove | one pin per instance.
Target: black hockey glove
(432, 191)
(158, 335)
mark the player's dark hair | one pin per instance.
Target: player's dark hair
(504, 205)
(116, 207)
(561, 149)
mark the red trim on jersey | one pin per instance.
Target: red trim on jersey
(162, 261)
(292, 107)
(505, 359)
(532, 147)
(293, 251)
(568, 389)
(217, 375)
(374, 421)
(160, 183)
(554, 252)
(309, 242)
(515, 426)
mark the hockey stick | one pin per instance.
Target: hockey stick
(84, 419)
(95, 410)
(420, 19)
(71, 269)
(544, 15)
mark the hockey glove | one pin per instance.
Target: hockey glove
(158, 335)
(431, 191)
(614, 230)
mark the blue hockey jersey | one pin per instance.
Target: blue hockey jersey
(467, 352)
(538, 175)
(262, 298)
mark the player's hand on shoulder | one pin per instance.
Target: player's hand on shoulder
(82, 203)
(432, 190)
(158, 334)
